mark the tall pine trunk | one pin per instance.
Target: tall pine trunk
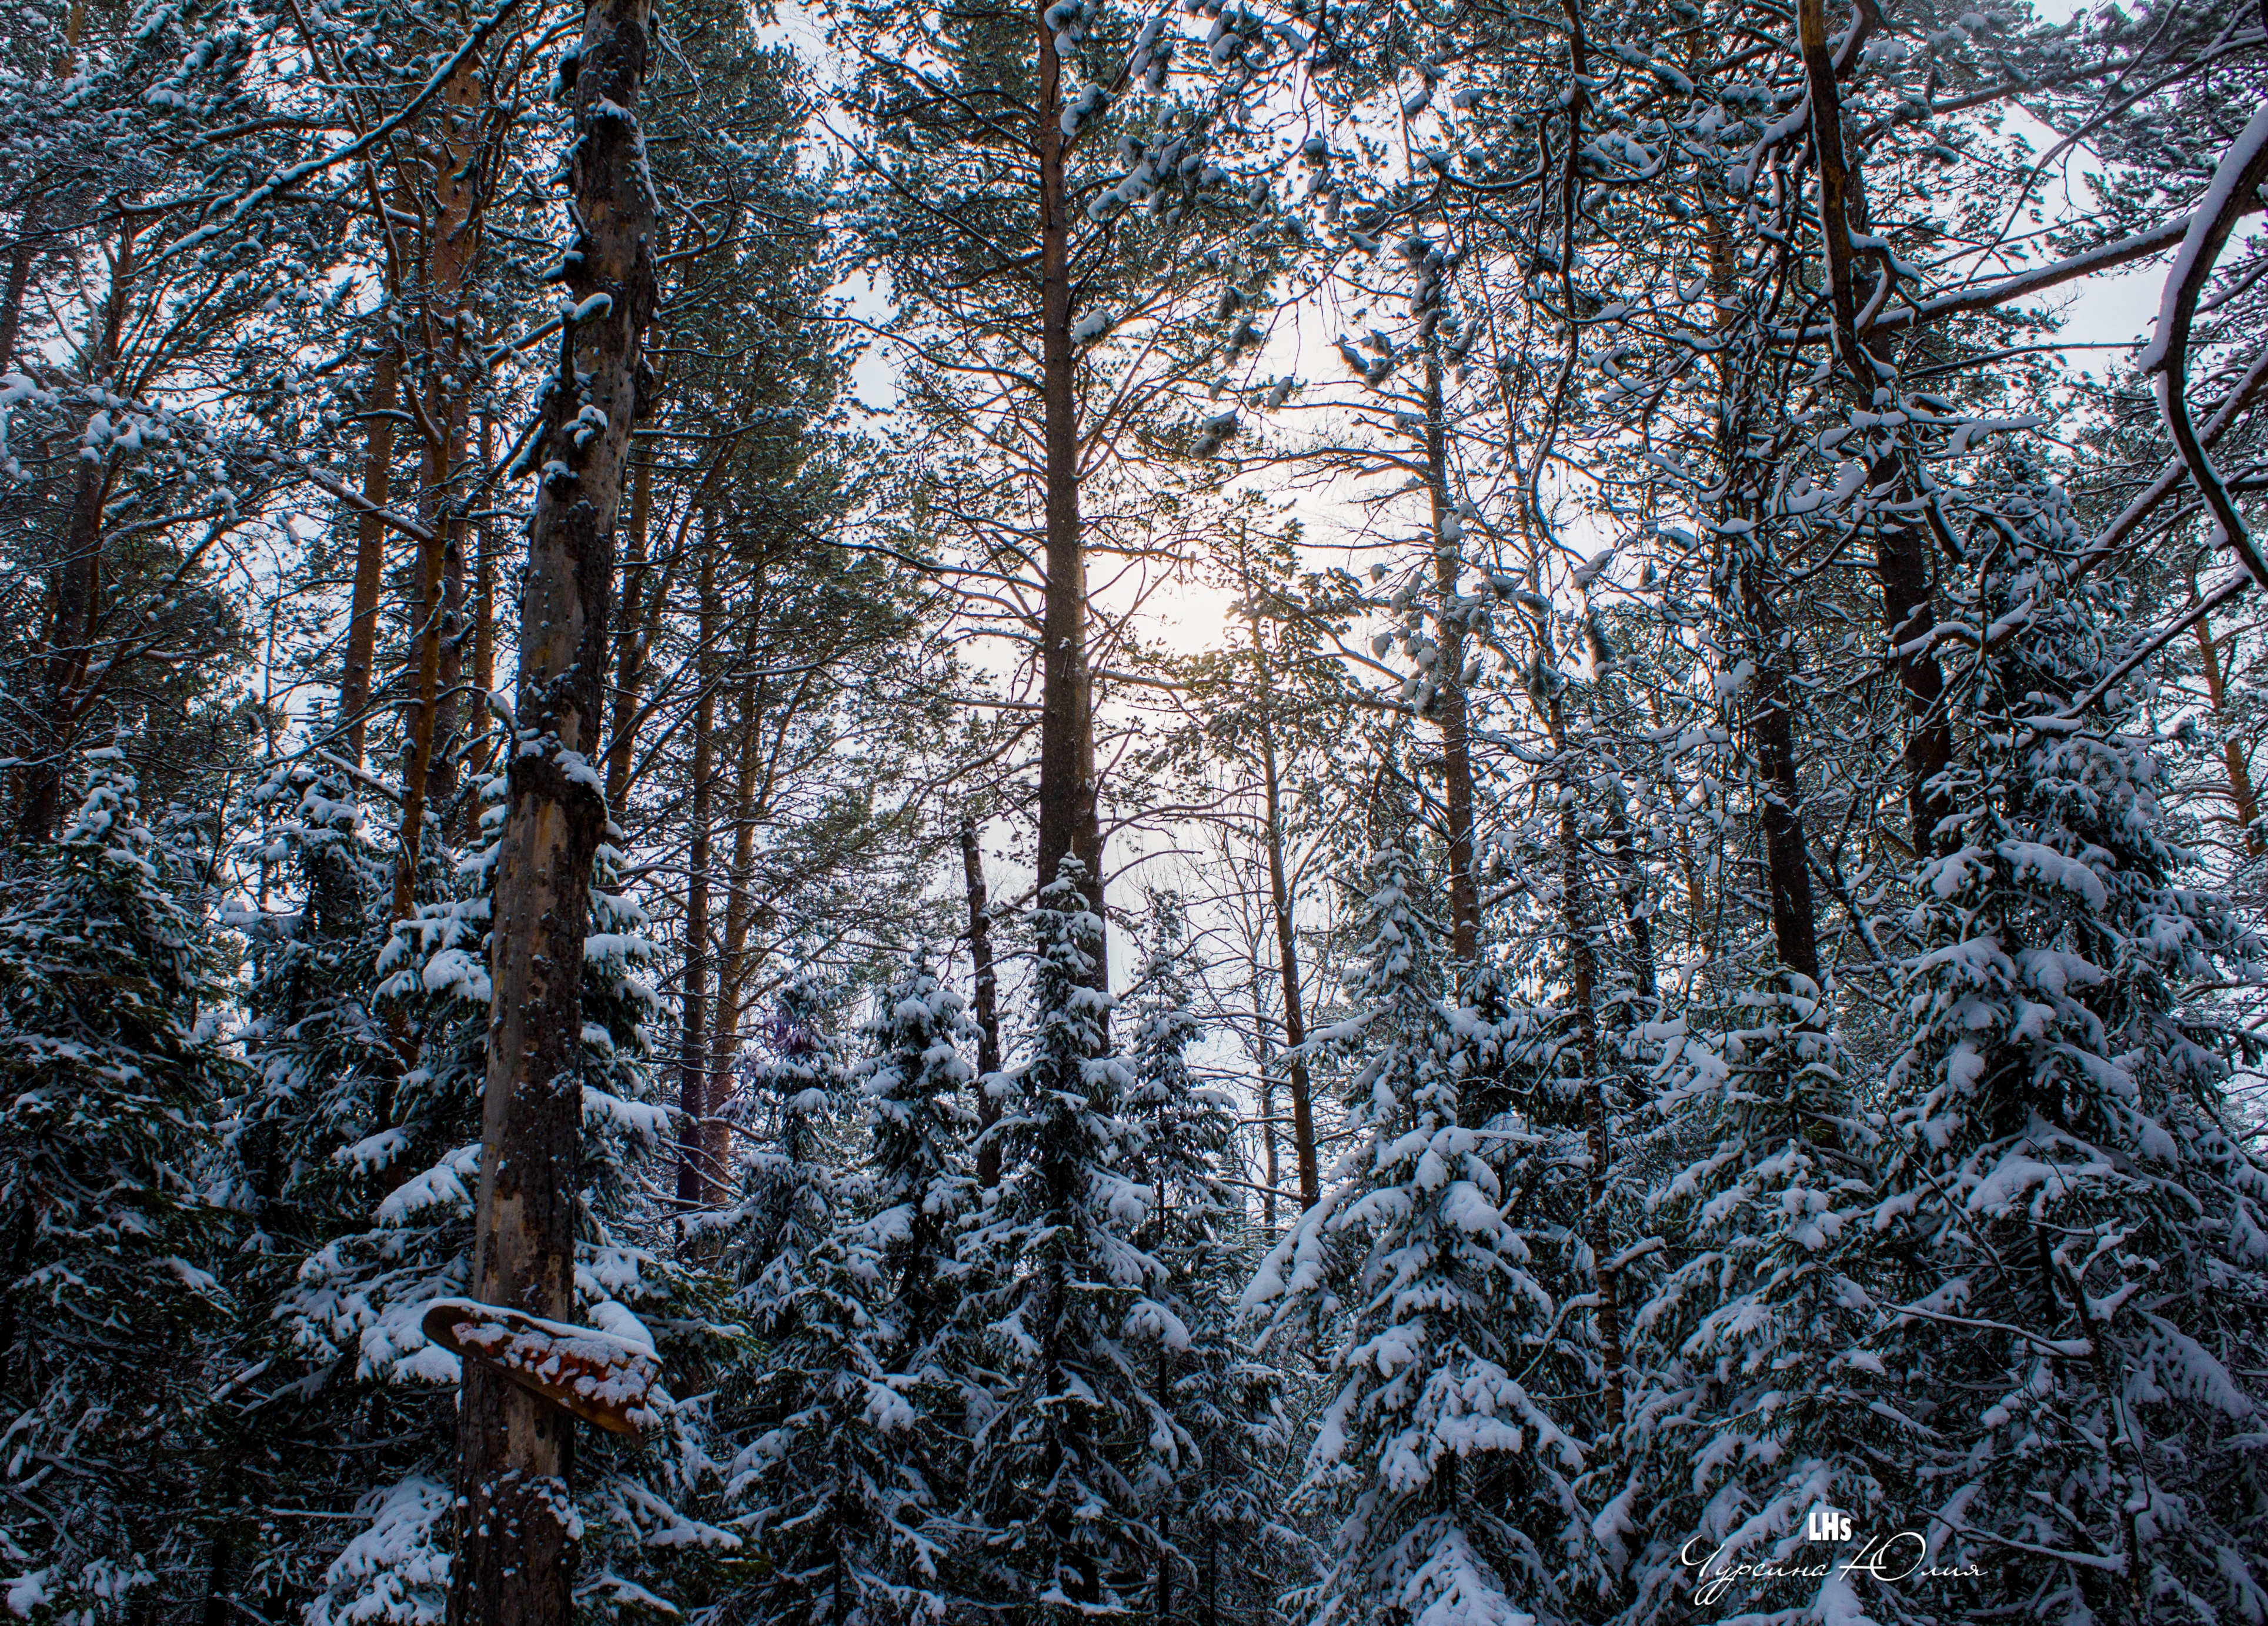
(370, 542)
(1449, 683)
(693, 1016)
(1070, 825)
(1288, 951)
(451, 252)
(78, 582)
(515, 1553)
(1582, 994)
(1901, 558)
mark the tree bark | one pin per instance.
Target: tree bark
(1901, 557)
(640, 605)
(417, 763)
(1771, 728)
(515, 1555)
(1069, 825)
(482, 747)
(19, 279)
(1630, 888)
(1448, 679)
(692, 1055)
(79, 584)
(452, 251)
(2241, 797)
(370, 544)
(739, 914)
(987, 1001)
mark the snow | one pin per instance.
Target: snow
(26, 1592)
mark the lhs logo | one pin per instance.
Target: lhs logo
(1826, 1524)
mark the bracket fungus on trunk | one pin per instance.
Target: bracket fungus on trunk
(603, 1379)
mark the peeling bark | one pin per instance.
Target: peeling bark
(515, 1555)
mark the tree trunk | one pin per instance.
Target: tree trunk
(987, 1001)
(1069, 825)
(449, 712)
(1787, 867)
(417, 763)
(370, 544)
(692, 1055)
(1901, 559)
(1165, 1399)
(1582, 977)
(1632, 889)
(2240, 795)
(451, 252)
(20, 278)
(739, 913)
(1287, 947)
(1448, 679)
(480, 753)
(79, 584)
(515, 1554)
(1272, 1173)
(640, 603)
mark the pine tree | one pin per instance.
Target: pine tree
(1436, 1463)
(113, 1071)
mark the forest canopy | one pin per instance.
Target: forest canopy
(1259, 812)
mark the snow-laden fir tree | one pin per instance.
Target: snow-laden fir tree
(1758, 1400)
(789, 1117)
(1437, 1463)
(1212, 1420)
(2081, 1235)
(916, 1082)
(113, 1073)
(300, 1168)
(856, 1400)
(1050, 1501)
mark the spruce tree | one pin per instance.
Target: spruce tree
(112, 1072)
(1050, 1499)
(2081, 1270)
(1451, 1485)
(1213, 1419)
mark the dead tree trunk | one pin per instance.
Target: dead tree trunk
(515, 1553)
(987, 1001)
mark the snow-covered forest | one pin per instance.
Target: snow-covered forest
(1249, 812)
